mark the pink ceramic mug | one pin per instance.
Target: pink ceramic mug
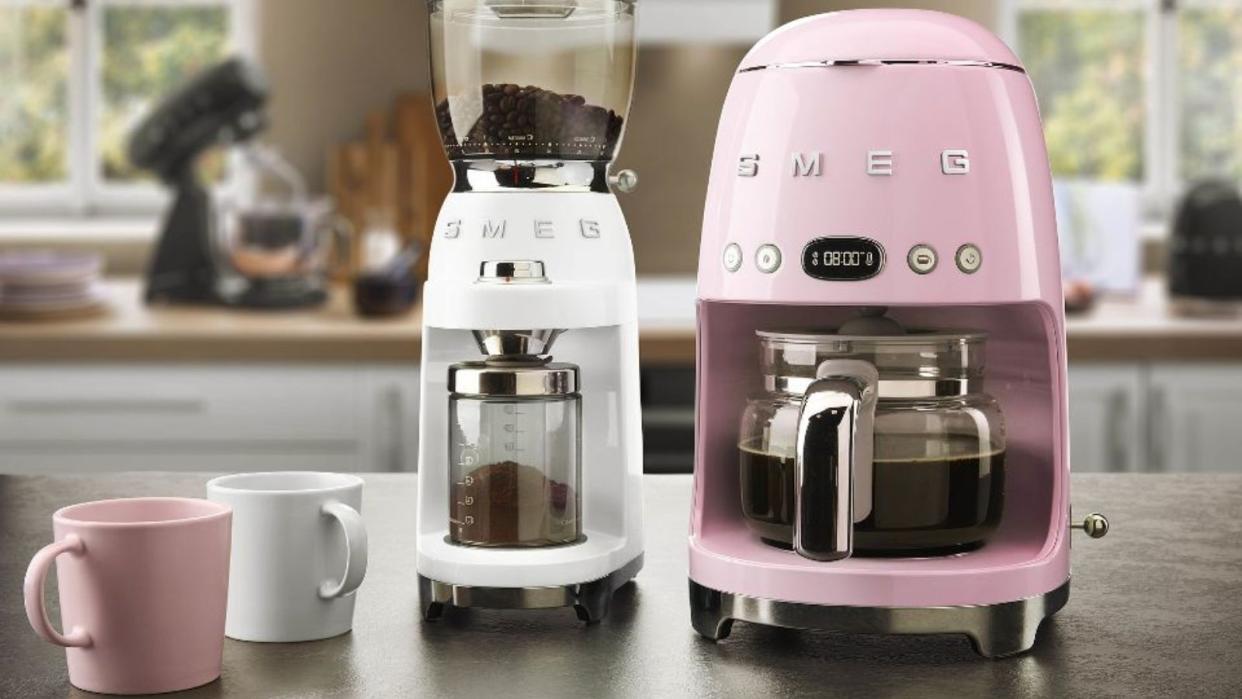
(143, 592)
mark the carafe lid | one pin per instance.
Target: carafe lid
(913, 364)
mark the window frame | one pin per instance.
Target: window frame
(1161, 184)
(84, 194)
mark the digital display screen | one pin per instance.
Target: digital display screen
(844, 259)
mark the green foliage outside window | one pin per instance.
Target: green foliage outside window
(1088, 70)
(145, 51)
(1210, 48)
(34, 106)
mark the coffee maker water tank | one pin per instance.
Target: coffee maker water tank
(900, 151)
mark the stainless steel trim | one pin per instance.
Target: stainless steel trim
(512, 272)
(868, 62)
(516, 343)
(501, 379)
(589, 599)
(484, 174)
(995, 630)
(887, 388)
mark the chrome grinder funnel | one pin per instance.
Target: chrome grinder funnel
(510, 343)
(514, 343)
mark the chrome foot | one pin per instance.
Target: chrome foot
(707, 613)
(995, 631)
(431, 609)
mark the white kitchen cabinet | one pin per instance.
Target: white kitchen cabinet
(390, 424)
(1195, 417)
(213, 417)
(1106, 416)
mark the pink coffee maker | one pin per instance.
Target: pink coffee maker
(881, 438)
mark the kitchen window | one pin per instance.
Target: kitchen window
(1142, 91)
(77, 75)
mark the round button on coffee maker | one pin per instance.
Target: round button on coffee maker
(733, 257)
(922, 258)
(969, 258)
(768, 258)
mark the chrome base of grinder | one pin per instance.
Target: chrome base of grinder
(995, 630)
(589, 599)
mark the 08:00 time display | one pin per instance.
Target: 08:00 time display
(842, 258)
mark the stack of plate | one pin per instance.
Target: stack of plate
(46, 284)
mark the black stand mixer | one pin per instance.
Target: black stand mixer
(267, 252)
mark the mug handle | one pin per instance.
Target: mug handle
(355, 551)
(36, 578)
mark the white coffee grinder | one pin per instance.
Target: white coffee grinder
(530, 467)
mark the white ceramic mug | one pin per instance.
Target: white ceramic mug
(299, 554)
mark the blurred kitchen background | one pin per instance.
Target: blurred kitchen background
(1142, 104)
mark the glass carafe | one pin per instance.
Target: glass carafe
(515, 453)
(526, 88)
(872, 444)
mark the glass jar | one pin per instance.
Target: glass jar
(532, 79)
(515, 453)
(278, 232)
(933, 482)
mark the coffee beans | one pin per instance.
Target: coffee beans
(528, 121)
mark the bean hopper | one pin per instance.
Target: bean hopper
(530, 458)
(881, 436)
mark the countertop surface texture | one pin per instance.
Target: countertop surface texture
(1117, 329)
(1155, 609)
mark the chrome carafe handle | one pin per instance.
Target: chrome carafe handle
(835, 439)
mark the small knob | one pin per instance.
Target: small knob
(1095, 525)
(625, 181)
(511, 271)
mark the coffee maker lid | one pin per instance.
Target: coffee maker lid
(866, 37)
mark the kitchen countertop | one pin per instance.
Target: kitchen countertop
(1154, 610)
(1116, 330)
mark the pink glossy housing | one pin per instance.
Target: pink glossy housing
(927, 83)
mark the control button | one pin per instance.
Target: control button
(969, 258)
(768, 258)
(733, 257)
(922, 259)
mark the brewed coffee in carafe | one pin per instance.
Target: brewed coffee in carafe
(937, 463)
